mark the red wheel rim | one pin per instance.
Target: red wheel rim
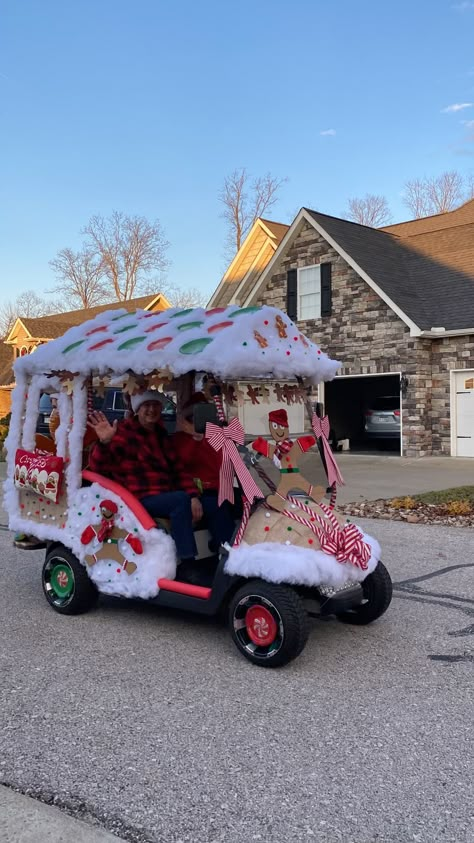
(261, 626)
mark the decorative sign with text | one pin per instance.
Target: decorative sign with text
(40, 473)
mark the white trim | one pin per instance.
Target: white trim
(157, 298)
(415, 331)
(299, 318)
(322, 387)
(251, 268)
(237, 257)
(13, 341)
(453, 410)
(439, 335)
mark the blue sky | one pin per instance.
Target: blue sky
(146, 106)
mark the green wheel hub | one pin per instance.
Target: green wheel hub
(62, 580)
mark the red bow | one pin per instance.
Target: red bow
(321, 431)
(224, 439)
(347, 545)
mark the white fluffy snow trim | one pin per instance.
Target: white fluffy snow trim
(280, 563)
(230, 343)
(157, 560)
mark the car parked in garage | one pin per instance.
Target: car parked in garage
(382, 419)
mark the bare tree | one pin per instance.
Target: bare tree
(177, 296)
(191, 297)
(370, 210)
(245, 200)
(428, 196)
(28, 305)
(128, 249)
(80, 278)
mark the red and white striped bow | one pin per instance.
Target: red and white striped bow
(346, 545)
(224, 439)
(321, 430)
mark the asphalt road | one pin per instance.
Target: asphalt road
(152, 725)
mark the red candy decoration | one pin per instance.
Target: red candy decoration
(159, 343)
(215, 310)
(218, 327)
(154, 327)
(100, 344)
(96, 330)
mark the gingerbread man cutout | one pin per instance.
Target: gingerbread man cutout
(286, 454)
(110, 536)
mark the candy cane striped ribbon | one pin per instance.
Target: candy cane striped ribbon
(243, 524)
(321, 431)
(223, 439)
(346, 544)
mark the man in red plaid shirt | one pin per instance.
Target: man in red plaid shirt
(138, 454)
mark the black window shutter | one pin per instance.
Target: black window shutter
(292, 293)
(326, 290)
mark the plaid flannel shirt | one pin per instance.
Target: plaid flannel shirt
(143, 461)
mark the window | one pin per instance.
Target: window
(309, 292)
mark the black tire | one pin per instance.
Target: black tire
(377, 596)
(66, 584)
(275, 607)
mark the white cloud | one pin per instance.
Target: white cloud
(328, 132)
(457, 106)
(464, 6)
(468, 123)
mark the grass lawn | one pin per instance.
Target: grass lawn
(459, 493)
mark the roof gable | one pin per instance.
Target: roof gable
(252, 257)
(413, 285)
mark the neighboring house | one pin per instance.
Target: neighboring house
(27, 334)
(253, 256)
(395, 306)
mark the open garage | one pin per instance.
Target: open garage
(350, 401)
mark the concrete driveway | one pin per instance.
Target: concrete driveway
(150, 724)
(369, 477)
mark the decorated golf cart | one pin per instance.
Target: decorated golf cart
(291, 549)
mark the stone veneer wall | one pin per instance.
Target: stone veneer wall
(446, 354)
(369, 338)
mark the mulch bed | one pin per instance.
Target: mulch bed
(420, 513)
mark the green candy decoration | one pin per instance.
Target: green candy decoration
(125, 328)
(130, 343)
(195, 346)
(73, 345)
(186, 326)
(243, 310)
(123, 315)
(182, 312)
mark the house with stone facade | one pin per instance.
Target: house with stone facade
(396, 306)
(27, 334)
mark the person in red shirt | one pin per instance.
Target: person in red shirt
(138, 453)
(203, 463)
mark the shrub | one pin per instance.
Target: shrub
(403, 503)
(458, 508)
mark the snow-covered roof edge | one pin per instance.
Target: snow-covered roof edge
(231, 342)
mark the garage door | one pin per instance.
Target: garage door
(464, 382)
(349, 399)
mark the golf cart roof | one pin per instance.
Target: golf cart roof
(232, 342)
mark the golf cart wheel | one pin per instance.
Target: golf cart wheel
(66, 584)
(268, 623)
(376, 598)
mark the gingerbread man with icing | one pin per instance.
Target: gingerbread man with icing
(286, 454)
(113, 539)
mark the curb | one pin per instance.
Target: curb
(26, 820)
